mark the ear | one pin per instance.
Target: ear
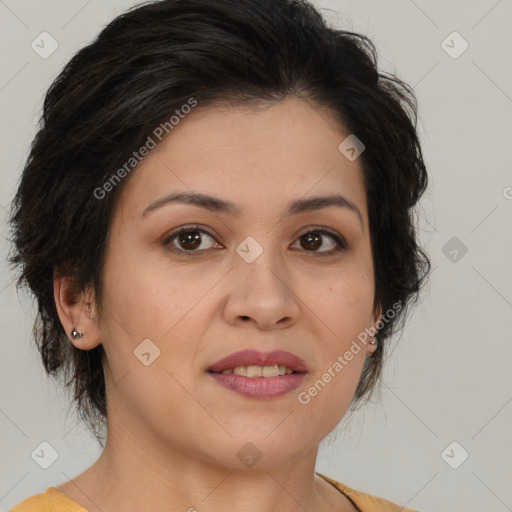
(370, 349)
(76, 310)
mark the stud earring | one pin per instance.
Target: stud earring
(373, 341)
(75, 334)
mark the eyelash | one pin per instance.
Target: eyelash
(341, 243)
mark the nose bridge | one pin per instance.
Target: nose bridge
(260, 264)
(262, 289)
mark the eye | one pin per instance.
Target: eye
(312, 240)
(187, 240)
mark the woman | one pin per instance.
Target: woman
(216, 219)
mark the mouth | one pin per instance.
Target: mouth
(252, 371)
(259, 375)
(252, 363)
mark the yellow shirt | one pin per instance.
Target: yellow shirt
(52, 500)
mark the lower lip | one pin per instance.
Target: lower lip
(259, 387)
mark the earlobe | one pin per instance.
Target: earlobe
(75, 311)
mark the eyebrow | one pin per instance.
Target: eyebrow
(218, 205)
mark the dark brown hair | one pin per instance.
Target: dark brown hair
(147, 63)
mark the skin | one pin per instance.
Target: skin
(173, 432)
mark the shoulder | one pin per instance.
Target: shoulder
(38, 502)
(366, 502)
(51, 500)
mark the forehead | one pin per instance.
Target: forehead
(259, 159)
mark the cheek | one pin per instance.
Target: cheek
(348, 298)
(149, 299)
(144, 294)
(344, 311)
(344, 308)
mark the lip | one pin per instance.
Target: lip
(259, 387)
(257, 358)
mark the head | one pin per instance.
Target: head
(248, 102)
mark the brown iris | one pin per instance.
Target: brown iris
(314, 240)
(190, 237)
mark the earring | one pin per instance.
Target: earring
(373, 341)
(75, 334)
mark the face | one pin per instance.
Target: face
(262, 278)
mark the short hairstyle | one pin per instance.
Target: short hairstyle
(142, 67)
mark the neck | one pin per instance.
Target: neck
(170, 479)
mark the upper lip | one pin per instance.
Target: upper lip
(257, 358)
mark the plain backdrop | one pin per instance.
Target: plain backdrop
(439, 435)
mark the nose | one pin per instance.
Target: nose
(261, 294)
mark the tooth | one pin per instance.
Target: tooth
(254, 371)
(260, 371)
(270, 371)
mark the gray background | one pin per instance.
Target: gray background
(449, 377)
